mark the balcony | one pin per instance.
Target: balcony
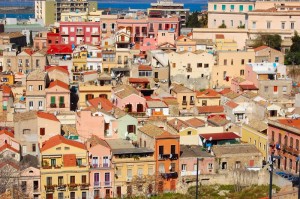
(52, 105)
(192, 102)
(107, 184)
(137, 114)
(73, 187)
(84, 186)
(62, 105)
(36, 190)
(167, 156)
(79, 33)
(169, 175)
(49, 188)
(61, 187)
(184, 102)
(271, 143)
(151, 30)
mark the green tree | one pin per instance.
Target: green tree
(273, 41)
(293, 56)
(193, 20)
(30, 38)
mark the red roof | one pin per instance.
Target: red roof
(60, 49)
(7, 133)
(105, 103)
(58, 139)
(138, 80)
(248, 87)
(64, 69)
(69, 160)
(260, 48)
(47, 116)
(6, 89)
(290, 122)
(12, 164)
(208, 93)
(90, 72)
(144, 67)
(220, 136)
(190, 34)
(7, 146)
(225, 91)
(220, 36)
(59, 83)
(28, 51)
(210, 109)
(231, 104)
(180, 37)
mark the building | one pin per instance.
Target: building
(283, 139)
(58, 96)
(267, 54)
(185, 128)
(166, 153)
(30, 181)
(255, 132)
(185, 97)
(65, 168)
(208, 97)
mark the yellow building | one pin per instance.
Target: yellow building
(134, 169)
(65, 169)
(255, 132)
(7, 78)
(208, 97)
(225, 44)
(80, 61)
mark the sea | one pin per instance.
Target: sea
(101, 5)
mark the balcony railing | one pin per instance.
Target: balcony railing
(73, 187)
(61, 187)
(79, 33)
(52, 105)
(184, 102)
(49, 188)
(62, 105)
(84, 186)
(192, 102)
(105, 165)
(168, 156)
(96, 184)
(169, 175)
(271, 142)
(107, 184)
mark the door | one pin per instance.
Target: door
(251, 163)
(173, 185)
(119, 192)
(107, 193)
(155, 74)
(140, 108)
(49, 196)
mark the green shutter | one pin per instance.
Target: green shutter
(61, 100)
(52, 99)
(250, 7)
(223, 7)
(232, 7)
(215, 7)
(241, 8)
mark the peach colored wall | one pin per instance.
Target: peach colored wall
(250, 75)
(164, 36)
(132, 99)
(203, 164)
(11, 141)
(52, 128)
(57, 92)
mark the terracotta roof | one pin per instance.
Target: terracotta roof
(177, 88)
(249, 87)
(123, 91)
(59, 83)
(152, 130)
(10, 134)
(7, 146)
(60, 49)
(95, 140)
(208, 93)
(170, 101)
(193, 151)
(290, 122)
(145, 68)
(105, 103)
(36, 75)
(58, 139)
(48, 116)
(220, 136)
(6, 89)
(195, 122)
(236, 149)
(260, 48)
(69, 160)
(190, 34)
(220, 36)
(60, 68)
(178, 124)
(28, 51)
(10, 163)
(217, 120)
(231, 104)
(257, 125)
(210, 109)
(90, 72)
(231, 95)
(138, 80)
(225, 91)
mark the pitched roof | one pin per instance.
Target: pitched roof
(10, 134)
(145, 68)
(7, 146)
(225, 91)
(119, 144)
(138, 80)
(217, 120)
(28, 51)
(95, 140)
(47, 116)
(36, 75)
(237, 149)
(231, 95)
(195, 122)
(105, 103)
(69, 160)
(257, 125)
(260, 48)
(177, 88)
(290, 122)
(231, 104)
(6, 89)
(220, 136)
(59, 83)
(58, 139)
(151, 130)
(178, 124)
(156, 104)
(208, 93)
(60, 68)
(210, 109)
(123, 91)
(193, 151)
(249, 87)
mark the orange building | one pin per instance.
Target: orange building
(166, 152)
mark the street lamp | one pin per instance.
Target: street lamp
(271, 161)
(298, 160)
(197, 176)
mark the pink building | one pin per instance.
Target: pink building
(283, 135)
(129, 99)
(148, 44)
(58, 96)
(30, 181)
(7, 137)
(141, 28)
(80, 33)
(94, 121)
(101, 171)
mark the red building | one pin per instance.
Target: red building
(53, 38)
(80, 33)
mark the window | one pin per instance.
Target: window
(105, 161)
(83, 195)
(210, 166)
(225, 62)
(268, 24)
(52, 99)
(53, 162)
(292, 25)
(242, 72)
(96, 179)
(282, 25)
(284, 89)
(276, 59)
(224, 165)
(42, 131)
(24, 186)
(173, 149)
(215, 7)
(79, 161)
(231, 62)
(61, 100)
(254, 24)
(33, 148)
(161, 150)
(61, 195)
(231, 22)
(72, 29)
(223, 7)
(72, 195)
(183, 167)
(174, 65)
(291, 142)
(140, 172)
(72, 179)
(60, 180)
(173, 166)
(30, 105)
(150, 171)
(206, 65)
(297, 144)
(131, 128)
(30, 88)
(241, 8)
(24, 149)
(275, 89)
(249, 60)
(83, 179)
(238, 164)
(232, 7)
(242, 61)
(266, 89)
(189, 132)
(250, 7)
(49, 181)
(199, 65)
(129, 174)
(40, 104)
(250, 140)
(204, 102)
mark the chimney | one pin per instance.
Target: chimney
(99, 106)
